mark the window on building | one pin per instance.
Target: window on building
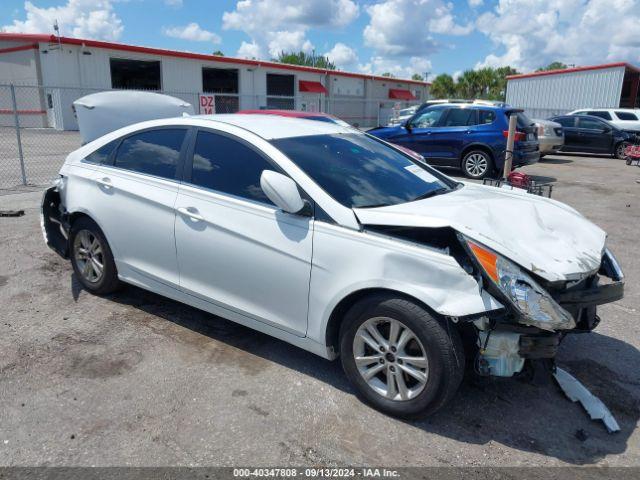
(222, 81)
(627, 116)
(597, 113)
(135, 74)
(280, 86)
(229, 166)
(154, 152)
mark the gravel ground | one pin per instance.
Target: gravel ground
(135, 379)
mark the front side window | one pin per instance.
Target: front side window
(101, 155)
(627, 116)
(590, 124)
(565, 121)
(427, 119)
(460, 117)
(359, 171)
(154, 152)
(604, 115)
(226, 165)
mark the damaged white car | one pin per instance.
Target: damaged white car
(336, 242)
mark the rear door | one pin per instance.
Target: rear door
(455, 130)
(595, 135)
(137, 189)
(571, 137)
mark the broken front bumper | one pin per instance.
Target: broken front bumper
(54, 222)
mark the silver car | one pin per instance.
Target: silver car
(550, 136)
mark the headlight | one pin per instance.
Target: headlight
(531, 301)
(548, 131)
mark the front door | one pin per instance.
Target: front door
(420, 133)
(235, 248)
(595, 135)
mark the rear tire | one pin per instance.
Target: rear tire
(414, 365)
(91, 257)
(477, 164)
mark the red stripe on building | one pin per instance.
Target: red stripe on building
(6, 111)
(19, 48)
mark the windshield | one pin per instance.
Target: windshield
(361, 172)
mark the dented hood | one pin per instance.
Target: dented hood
(544, 236)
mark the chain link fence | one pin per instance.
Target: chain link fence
(38, 126)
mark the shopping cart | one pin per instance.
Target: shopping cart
(523, 181)
(632, 155)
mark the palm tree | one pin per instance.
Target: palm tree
(443, 86)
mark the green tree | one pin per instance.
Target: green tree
(302, 58)
(417, 76)
(553, 66)
(218, 53)
(443, 86)
(468, 84)
(388, 74)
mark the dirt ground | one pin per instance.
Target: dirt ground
(135, 379)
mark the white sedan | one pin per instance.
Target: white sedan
(336, 242)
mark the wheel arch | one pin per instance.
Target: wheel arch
(81, 213)
(332, 332)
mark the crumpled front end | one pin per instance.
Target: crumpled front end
(54, 220)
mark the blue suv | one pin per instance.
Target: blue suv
(471, 137)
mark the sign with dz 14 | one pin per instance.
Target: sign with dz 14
(207, 104)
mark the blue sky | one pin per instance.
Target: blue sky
(374, 36)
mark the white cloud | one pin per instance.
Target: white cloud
(192, 32)
(404, 27)
(77, 18)
(475, 3)
(379, 65)
(173, 3)
(250, 50)
(285, 41)
(580, 32)
(276, 25)
(342, 55)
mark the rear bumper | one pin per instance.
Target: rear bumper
(521, 158)
(550, 144)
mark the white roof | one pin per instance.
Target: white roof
(271, 127)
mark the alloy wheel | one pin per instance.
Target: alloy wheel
(89, 257)
(620, 150)
(390, 358)
(476, 164)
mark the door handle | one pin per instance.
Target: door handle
(104, 182)
(192, 213)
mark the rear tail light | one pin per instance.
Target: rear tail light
(518, 137)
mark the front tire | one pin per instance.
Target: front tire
(477, 164)
(401, 359)
(91, 257)
(620, 148)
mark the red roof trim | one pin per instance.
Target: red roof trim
(576, 69)
(19, 48)
(401, 94)
(40, 37)
(311, 87)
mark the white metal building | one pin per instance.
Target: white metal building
(555, 92)
(69, 68)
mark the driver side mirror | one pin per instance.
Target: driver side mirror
(282, 191)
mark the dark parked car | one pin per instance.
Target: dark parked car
(590, 134)
(471, 137)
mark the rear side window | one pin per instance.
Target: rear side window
(605, 115)
(226, 165)
(460, 117)
(565, 121)
(154, 152)
(485, 117)
(102, 154)
(626, 116)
